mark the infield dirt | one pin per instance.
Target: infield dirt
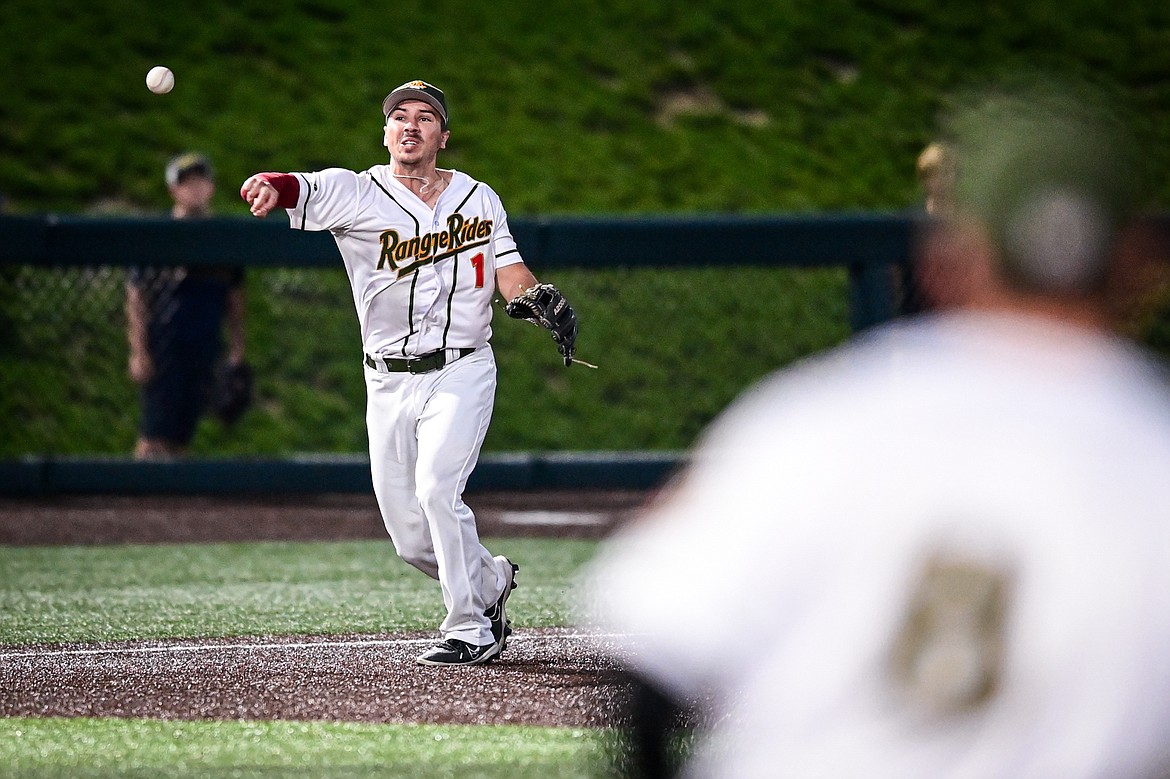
(553, 677)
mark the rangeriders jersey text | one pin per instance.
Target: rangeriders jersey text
(404, 256)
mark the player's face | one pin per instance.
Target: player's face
(414, 133)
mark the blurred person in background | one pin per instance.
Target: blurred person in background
(942, 550)
(176, 317)
(935, 170)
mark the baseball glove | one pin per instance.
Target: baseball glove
(232, 395)
(544, 305)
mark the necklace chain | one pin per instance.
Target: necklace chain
(426, 181)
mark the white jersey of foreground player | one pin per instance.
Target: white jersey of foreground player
(775, 578)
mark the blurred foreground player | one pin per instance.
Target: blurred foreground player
(944, 549)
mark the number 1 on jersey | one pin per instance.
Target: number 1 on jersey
(477, 263)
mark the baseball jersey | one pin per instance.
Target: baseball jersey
(422, 279)
(783, 578)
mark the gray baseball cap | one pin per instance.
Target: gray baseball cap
(1054, 172)
(179, 167)
(417, 90)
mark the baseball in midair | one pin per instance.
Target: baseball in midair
(160, 80)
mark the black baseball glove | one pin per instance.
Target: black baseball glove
(232, 395)
(544, 305)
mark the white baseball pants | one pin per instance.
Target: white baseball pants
(425, 434)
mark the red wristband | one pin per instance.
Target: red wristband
(287, 187)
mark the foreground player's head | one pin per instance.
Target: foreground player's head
(1053, 175)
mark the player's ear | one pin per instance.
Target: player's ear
(956, 263)
(443, 139)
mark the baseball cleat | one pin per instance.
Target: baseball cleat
(501, 626)
(507, 632)
(456, 652)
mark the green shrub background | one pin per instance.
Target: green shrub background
(620, 107)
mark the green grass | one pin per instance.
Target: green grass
(152, 749)
(621, 106)
(107, 593)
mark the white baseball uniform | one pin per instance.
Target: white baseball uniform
(782, 577)
(423, 281)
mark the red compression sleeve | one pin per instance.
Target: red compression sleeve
(287, 187)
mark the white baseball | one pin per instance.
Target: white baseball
(160, 80)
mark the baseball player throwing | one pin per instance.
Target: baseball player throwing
(425, 250)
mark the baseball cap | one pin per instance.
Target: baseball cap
(179, 167)
(1053, 171)
(417, 90)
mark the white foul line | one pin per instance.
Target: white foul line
(553, 518)
(176, 648)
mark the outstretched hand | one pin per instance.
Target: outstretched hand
(260, 195)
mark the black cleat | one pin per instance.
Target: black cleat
(456, 652)
(501, 626)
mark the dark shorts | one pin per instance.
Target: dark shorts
(178, 395)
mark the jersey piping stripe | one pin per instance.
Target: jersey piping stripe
(410, 313)
(386, 192)
(459, 207)
(450, 301)
(414, 281)
(505, 254)
(305, 207)
(455, 266)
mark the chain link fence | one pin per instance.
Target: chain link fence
(674, 346)
(65, 355)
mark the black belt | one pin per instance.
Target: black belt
(425, 363)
